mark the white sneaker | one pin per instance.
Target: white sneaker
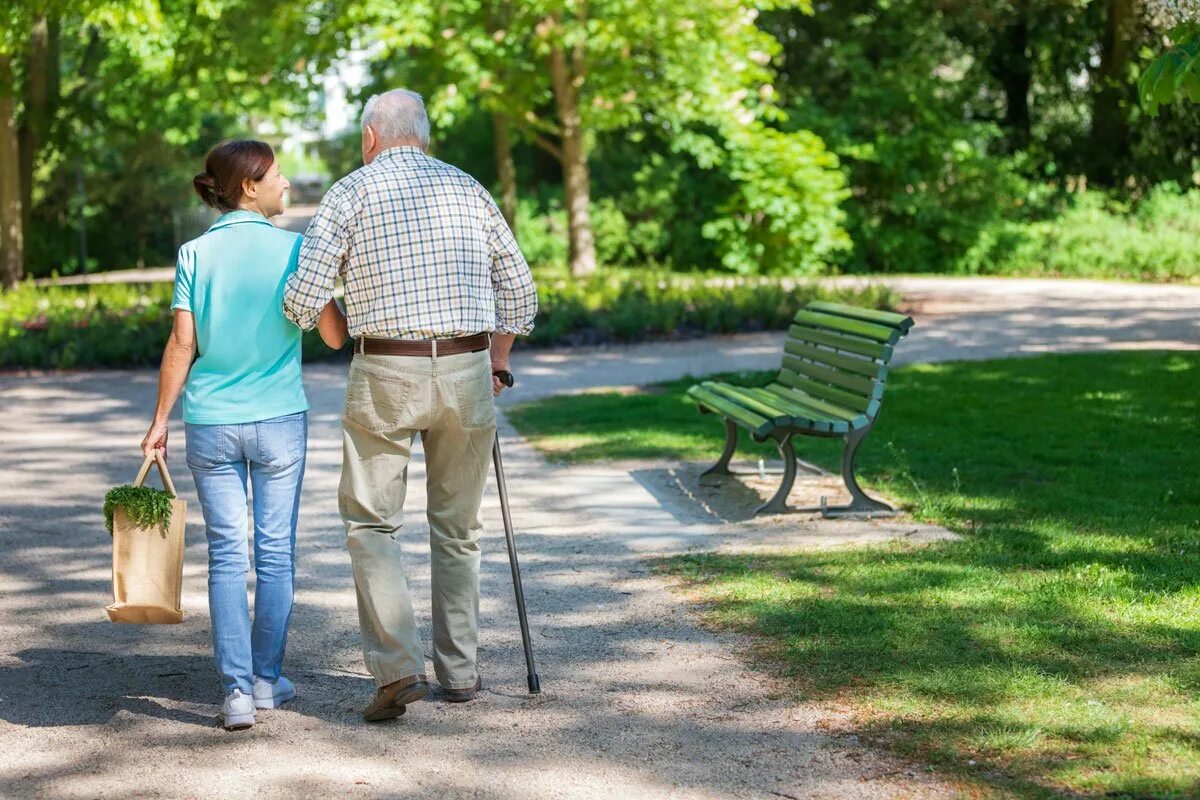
(238, 710)
(272, 695)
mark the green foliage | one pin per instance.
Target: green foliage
(764, 202)
(1095, 237)
(1174, 73)
(146, 507)
(542, 236)
(114, 325)
(1051, 651)
(881, 87)
(140, 91)
(105, 325)
(626, 306)
(783, 218)
(672, 60)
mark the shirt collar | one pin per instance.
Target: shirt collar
(238, 217)
(403, 151)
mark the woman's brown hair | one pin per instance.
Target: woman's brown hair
(227, 166)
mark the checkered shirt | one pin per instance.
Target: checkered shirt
(422, 249)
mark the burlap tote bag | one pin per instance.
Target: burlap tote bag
(148, 562)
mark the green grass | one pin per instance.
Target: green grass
(1057, 644)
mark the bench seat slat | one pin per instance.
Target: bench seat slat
(853, 383)
(851, 344)
(854, 327)
(789, 397)
(862, 366)
(809, 412)
(900, 322)
(795, 416)
(756, 424)
(758, 405)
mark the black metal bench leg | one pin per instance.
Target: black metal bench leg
(860, 503)
(722, 465)
(778, 503)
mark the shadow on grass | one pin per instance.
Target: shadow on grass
(1057, 645)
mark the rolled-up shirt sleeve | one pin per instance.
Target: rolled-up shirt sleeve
(322, 257)
(516, 295)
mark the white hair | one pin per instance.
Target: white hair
(397, 115)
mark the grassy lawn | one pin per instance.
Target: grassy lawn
(1055, 649)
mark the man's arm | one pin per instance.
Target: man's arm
(322, 256)
(516, 295)
(512, 282)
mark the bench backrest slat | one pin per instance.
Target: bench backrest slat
(889, 318)
(846, 325)
(857, 384)
(849, 344)
(833, 358)
(824, 391)
(837, 356)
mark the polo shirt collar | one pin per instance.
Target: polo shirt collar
(238, 217)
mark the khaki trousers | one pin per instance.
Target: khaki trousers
(448, 399)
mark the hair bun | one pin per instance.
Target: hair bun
(205, 185)
(227, 167)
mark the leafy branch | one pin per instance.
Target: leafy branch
(1175, 72)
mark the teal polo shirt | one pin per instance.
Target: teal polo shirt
(231, 278)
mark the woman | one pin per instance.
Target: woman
(244, 411)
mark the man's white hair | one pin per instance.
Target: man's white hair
(397, 115)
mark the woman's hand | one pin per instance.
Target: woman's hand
(156, 439)
(332, 325)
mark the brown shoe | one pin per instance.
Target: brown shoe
(390, 700)
(461, 695)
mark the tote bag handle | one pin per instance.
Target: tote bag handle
(156, 457)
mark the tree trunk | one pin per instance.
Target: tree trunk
(1110, 146)
(1013, 67)
(506, 170)
(574, 164)
(12, 247)
(40, 81)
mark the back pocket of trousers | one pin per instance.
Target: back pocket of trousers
(376, 402)
(476, 405)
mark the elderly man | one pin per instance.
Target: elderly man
(430, 270)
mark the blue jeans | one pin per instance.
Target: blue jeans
(272, 453)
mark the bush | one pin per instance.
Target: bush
(121, 325)
(1099, 238)
(627, 306)
(105, 325)
(543, 236)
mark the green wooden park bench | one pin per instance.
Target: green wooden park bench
(835, 362)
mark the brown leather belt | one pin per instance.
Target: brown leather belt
(428, 348)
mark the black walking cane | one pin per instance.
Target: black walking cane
(535, 686)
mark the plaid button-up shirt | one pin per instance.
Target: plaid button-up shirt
(423, 250)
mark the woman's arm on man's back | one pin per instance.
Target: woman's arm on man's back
(332, 325)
